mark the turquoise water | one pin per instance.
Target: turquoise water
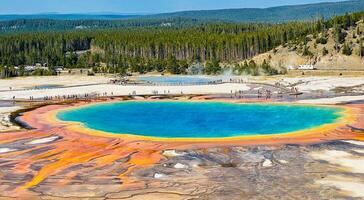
(176, 80)
(199, 119)
(47, 86)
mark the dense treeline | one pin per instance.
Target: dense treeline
(26, 25)
(31, 48)
(131, 48)
(194, 44)
(161, 49)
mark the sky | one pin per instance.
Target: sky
(135, 6)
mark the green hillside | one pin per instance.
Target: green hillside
(274, 14)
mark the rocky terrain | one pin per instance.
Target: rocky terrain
(5, 122)
(332, 170)
(294, 54)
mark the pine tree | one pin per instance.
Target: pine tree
(212, 67)
(346, 50)
(324, 51)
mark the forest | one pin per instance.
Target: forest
(162, 49)
(47, 25)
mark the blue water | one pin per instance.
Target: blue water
(47, 86)
(199, 119)
(176, 80)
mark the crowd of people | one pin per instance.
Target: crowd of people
(263, 92)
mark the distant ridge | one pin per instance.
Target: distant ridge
(56, 16)
(273, 14)
(269, 15)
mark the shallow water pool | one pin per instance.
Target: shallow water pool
(177, 80)
(199, 119)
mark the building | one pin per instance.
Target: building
(58, 69)
(29, 68)
(306, 67)
(291, 67)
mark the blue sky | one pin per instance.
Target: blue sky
(135, 6)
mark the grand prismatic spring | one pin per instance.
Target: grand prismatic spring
(199, 119)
